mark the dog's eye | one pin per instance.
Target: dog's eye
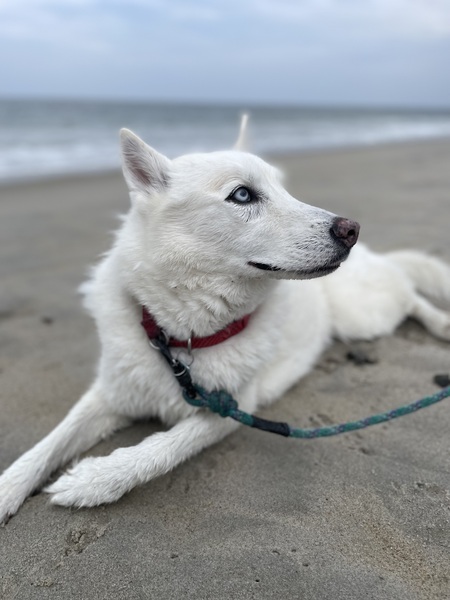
(242, 194)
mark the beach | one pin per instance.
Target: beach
(362, 515)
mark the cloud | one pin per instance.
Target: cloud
(273, 49)
(419, 18)
(400, 17)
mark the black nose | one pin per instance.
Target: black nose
(345, 231)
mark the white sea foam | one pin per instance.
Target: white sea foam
(40, 138)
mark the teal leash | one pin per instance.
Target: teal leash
(223, 404)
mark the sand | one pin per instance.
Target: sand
(364, 515)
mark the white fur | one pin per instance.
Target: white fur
(184, 251)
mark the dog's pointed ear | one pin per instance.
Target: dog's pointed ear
(241, 142)
(145, 169)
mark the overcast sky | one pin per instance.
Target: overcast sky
(266, 51)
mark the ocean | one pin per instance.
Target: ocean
(41, 138)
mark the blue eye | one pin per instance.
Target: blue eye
(241, 195)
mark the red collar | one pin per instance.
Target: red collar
(153, 330)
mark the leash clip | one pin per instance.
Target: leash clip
(183, 376)
(179, 368)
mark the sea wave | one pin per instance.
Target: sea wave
(44, 138)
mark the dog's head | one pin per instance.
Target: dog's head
(228, 213)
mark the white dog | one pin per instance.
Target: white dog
(213, 240)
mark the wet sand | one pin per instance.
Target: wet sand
(364, 515)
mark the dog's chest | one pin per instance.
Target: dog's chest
(138, 382)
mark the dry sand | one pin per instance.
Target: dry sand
(364, 515)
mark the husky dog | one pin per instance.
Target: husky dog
(212, 240)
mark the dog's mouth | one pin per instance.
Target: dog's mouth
(264, 267)
(304, 273)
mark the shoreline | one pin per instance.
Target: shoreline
(273, 155)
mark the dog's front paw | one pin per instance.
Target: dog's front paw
(14, 489)
(91, 482)
(10, 501)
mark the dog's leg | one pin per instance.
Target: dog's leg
(434, 319)
(95, 481)
(429, 275)
(86, 424)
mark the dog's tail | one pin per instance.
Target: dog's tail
(429, 275)
(242, 143)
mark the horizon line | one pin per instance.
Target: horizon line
(216, 103)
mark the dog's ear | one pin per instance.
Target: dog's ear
(241, 142)
(145, 169)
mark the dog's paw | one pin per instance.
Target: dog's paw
(440, 326)
(13, 493)
(10, 503)
(91, 482)
(445, 331)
